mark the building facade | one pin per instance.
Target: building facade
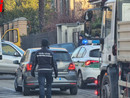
(73, 8)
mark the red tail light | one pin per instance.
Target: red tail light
(96, 82)
(87, 63)
(96, 92)
(29, 67)
(71, 66)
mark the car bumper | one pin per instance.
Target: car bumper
(54, 85)
(62, 81)
(90, 74)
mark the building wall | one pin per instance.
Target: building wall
(74, 8)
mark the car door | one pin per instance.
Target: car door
(10, 54)
(81, 60)
(74, 57)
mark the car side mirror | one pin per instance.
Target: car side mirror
(16, 54)
(16, 62)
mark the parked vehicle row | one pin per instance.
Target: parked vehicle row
(76, 70)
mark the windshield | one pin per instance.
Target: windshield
(19, 49)
(123, 10)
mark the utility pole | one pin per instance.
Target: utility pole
(41, 15)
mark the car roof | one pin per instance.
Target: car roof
(61, 44)
(90, 47)
(52, 49)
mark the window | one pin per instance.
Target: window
(61, 56)
(107, 19)
(74, 55)
(81, 53)
(8, 50)
(123, 10)
(95, 53)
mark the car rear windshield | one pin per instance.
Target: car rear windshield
(58, 56)
(95, 53)
(69, 46)
(61, 56)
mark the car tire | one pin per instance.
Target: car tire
(17, 88)
(74, 90)
(25, 90)
(81, 83)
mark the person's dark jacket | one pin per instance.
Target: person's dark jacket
(45, 62)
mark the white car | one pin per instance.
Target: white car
(86, 59)
(10, 53)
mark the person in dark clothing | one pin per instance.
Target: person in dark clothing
(46, 63)
(80, 40)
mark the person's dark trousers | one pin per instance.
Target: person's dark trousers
(41, 80)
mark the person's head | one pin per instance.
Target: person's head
(44, 43)
(80, 37)
(97, 35)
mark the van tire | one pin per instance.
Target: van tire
(107, 88)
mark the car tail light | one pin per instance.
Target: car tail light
(96, 92)
(29, 67)
(96, 82)
(87, 63)
(71, 66)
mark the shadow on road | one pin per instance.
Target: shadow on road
(93, 87)
(64, 93)
(7, 77)
(54, 93)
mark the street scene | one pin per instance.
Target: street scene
(64, 48)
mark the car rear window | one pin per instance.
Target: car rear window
(61, 56)
(95, 53)
(58, 56)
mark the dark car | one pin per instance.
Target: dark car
(70, 47)
(67, 76)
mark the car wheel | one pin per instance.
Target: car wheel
(107, 86)
(80, 81)
(17, 88)
(25, 90)
(74, 90)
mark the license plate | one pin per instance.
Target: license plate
(57, 79)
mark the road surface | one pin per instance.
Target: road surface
(7, 90)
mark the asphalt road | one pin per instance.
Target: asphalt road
(7, 90)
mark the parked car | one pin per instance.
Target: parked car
(67, 76)
(69, 46)
(86, 59)
(10, 53)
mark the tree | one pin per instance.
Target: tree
(41, 15)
